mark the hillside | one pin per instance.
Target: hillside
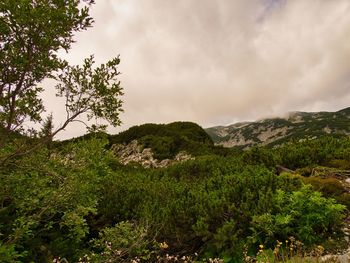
(164, 140)
(86, 197)
(272, 131)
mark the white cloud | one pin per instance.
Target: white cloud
(216, 62)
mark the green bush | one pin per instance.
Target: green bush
(304, 214)
(313, 152)
(69, 201)
(9, 254)
(166, 140)
(122, 242)
(330, 187)
(164, 147)
(49, 199)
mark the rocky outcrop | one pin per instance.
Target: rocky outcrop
(135, 153)
(275, 131)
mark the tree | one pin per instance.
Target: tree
(58, 192)
(31, 34)
(89, 91)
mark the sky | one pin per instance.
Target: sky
(217, 62)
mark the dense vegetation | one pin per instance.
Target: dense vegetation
(77, 201)
(166, 140)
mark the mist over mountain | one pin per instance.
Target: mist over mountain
(272, 131)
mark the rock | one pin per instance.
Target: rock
(326, 258)
(164, 163)
(280, 169)
(335, 258)
(183, 156)
(133, 152)
(343, 259)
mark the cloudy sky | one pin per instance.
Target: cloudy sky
(216, 62)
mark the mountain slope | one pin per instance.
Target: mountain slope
(165, 140)
(298, 125)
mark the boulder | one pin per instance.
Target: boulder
(133, 152)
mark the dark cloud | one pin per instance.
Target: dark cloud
(217, 62)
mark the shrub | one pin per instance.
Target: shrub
(122, 242)
(329, 187)
(304, 214)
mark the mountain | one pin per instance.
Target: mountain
(273, 131)
(165, 141)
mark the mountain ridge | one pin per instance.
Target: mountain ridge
(271, 131)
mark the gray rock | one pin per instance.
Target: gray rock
(343, 259)
(133, 152)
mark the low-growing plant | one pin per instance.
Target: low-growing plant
(122, 242)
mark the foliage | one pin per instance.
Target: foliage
(329, 187)
(45, 206)
(29, 45)
(8, 253)
(304, 214)
(318, 151)
(122, 242)
(166, 140)
(261, 155)
(90, 91)
(326, 150)
(31, 35)
(72, 201)
(289, 251)
(188, 130)
(76, 197)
